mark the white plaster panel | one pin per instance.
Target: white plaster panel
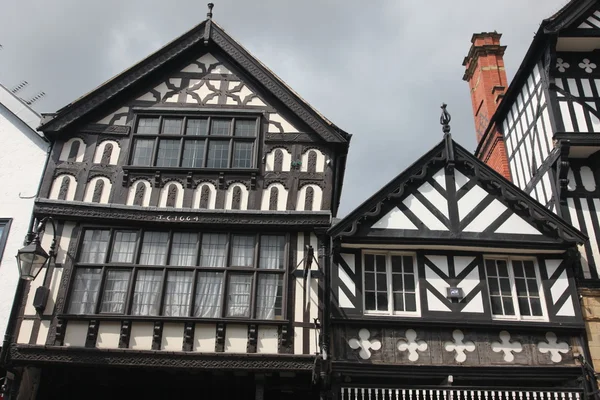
(54, 191)
(120, 121)
(298, 340)
(439, 261)
(314, 299)
(587, 177)
(435, 198)
(317, 199)
(172, 337)
(114, 155)
(270, 160)
(486, 217)
(552, 266)
(267, 340)
(236, 338)
(470, 200)
(54, 287)
(434, 304)
(36, 283)
(587, 217)
(63, 241)
(108, 335)
(319, 167)
(566, 115)
(281, 197)
(212, 197)
(66, 149)
(43, 333)
(205, 338)
(349, 259)
(256, 101)
(346, 281)
(584, 255)
(164, 194)
(140, 337)
(91, 186)
(313, 341)
(285, 125)
(470, 281)
(459, 179)
(395, 219)
(202, 92)
(559, 286)
(517, 225)
(475, 305)
(461, 262)
(436, 281)
(440, 178)
(343, 300)
(229, 196)
(567, 309)
(76, 333)
(298, 314)
(424, 215)
(147, 193)
(25, 331)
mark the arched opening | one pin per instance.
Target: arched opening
(274, 197)
(98, 190)
(106, 154)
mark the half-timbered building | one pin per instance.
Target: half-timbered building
(187, 193)
(543, 131)
(452, 283)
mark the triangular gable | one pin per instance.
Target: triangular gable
(573, 16)
(202, 37)
(461, 200)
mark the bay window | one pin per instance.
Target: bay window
(179, 274)
(195, 142)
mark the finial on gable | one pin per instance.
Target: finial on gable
(445, 119)
(449, 147)
(210, 7)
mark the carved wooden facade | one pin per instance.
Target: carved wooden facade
(186, 178)
(450, 282)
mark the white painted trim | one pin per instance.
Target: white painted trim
(91, 186)
(147, 193)
(229, 196)
(164, 194)
(212, 197)
(66, 149)
(320, 167)
(282, 197)
(270, 160)
(114, 156)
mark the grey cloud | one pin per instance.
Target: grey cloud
(379, 70)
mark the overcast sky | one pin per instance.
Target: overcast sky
(377, 69)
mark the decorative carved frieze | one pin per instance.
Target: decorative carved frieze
(61, 327)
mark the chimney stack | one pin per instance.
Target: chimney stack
(485, 73)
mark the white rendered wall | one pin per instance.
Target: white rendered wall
(21, 163)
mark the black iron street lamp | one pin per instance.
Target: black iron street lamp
(31, 259)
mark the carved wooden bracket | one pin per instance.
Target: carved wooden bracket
(563, 172)
(188, 336)
(125, 181)
(92, 333)
(253, 181)
(221, 181)
(157, 335)
(124, 334)
(189, 181)
(252, 338)
(157, 180)
(61, 327)
(284, 343)
(220, 338)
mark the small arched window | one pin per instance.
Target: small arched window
(312, 161)
(273, 198)
(64, 188)
(74, 150)
(172, 196)
(98, 190)
(140, 191)
(236, 198)
(278, 164)
(309, 199)
(106, 154)
(204, 196)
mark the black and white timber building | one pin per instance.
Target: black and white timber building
(186, 191)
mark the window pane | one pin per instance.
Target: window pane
(148, 125)
(380, 263)
(193, 154)
(369, 281)
(369, 262)
(178, 292)
(408, 264)
(85, 290)
(184, 249)
(168, 153)
(370, 301)
(94, 246)
(398, 302)
(115, 291)
(502, 268)
(536, 307)
(218, 154)
(518, 268)
(242, 251)
(493, 286)
(381, 282)
(411, 302)
(214, 250)
(146, 296)
(505, 286)
(269, 296)
(220, 127)
(238, 295)
(272, 251)
(521, 287)
(209, 292)
(172, 126)
(524, 306)
(124, 246)
(196, 127)
(242, 155)
(397, 283)
(529, 269)
(396, 264)
(532, 287)
(509, 308)
(142, 152)
(382, 301)
(245, 127)
(154, 248)
(496, 305)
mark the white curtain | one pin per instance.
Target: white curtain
(268, 292)
(123, 247)
(183, 250)
(238, 295)
(95, 244)
(115, 291)
(154, 248)
(146, 296)
(209, 292)
(214, 250)
(177, 293)
(242, 251)
(85, 290)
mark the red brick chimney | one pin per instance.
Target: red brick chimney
(484, 70)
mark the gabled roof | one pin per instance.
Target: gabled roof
(20, 110)
(562, 20)
(448, 196)
(205, 34)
